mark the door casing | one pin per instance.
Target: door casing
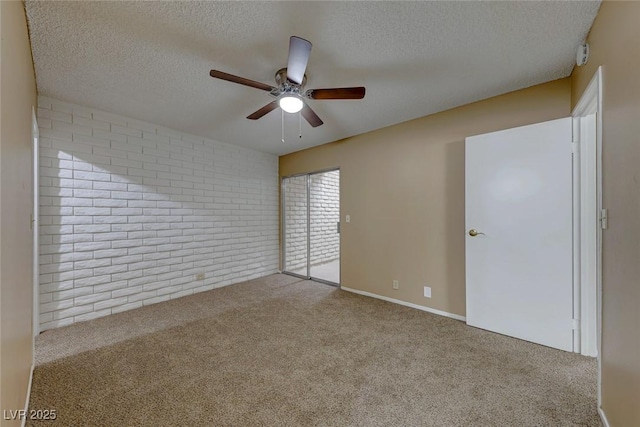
(35, 134)
(589, 282)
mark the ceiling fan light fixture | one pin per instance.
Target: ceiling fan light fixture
(290, 82)
(291, 104)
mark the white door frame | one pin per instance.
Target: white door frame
(588, 239)
(35, 133)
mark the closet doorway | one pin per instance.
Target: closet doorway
(311, 226)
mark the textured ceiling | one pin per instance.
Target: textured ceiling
(151, 60)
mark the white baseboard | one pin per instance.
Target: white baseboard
(26, 400)
(603, 417)
(406, 304)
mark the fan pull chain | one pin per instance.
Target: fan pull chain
(300, 123)
(282, 117)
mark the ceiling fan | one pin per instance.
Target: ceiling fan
(290, 84)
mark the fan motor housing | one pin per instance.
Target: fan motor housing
(287, 86)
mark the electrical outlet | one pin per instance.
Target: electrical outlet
(427, 292)
(200, 276)
(396, 284)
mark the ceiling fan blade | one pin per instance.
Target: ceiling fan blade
(336, 93)
(299, 51)
(240, 80)
(310, 116)
(263, 111)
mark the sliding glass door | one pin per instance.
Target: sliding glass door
(311, 226)
(324, 226)
(294, 225)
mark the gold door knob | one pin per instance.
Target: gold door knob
(473, 232)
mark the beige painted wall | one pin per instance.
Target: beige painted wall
(18, 91)
(404, 189)
(615, 44)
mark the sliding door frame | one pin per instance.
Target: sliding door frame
(283, 226)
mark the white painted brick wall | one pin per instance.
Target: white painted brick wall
(131, 212)
(325, 214)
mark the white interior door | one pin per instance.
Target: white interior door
(519, 264)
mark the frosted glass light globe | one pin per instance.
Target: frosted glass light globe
(291, 104)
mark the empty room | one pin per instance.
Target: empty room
(320, 213)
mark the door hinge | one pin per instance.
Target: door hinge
(575, 324)
(604, 219)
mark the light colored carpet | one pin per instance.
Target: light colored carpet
(280, 351)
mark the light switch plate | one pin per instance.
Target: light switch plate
(427, 292)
